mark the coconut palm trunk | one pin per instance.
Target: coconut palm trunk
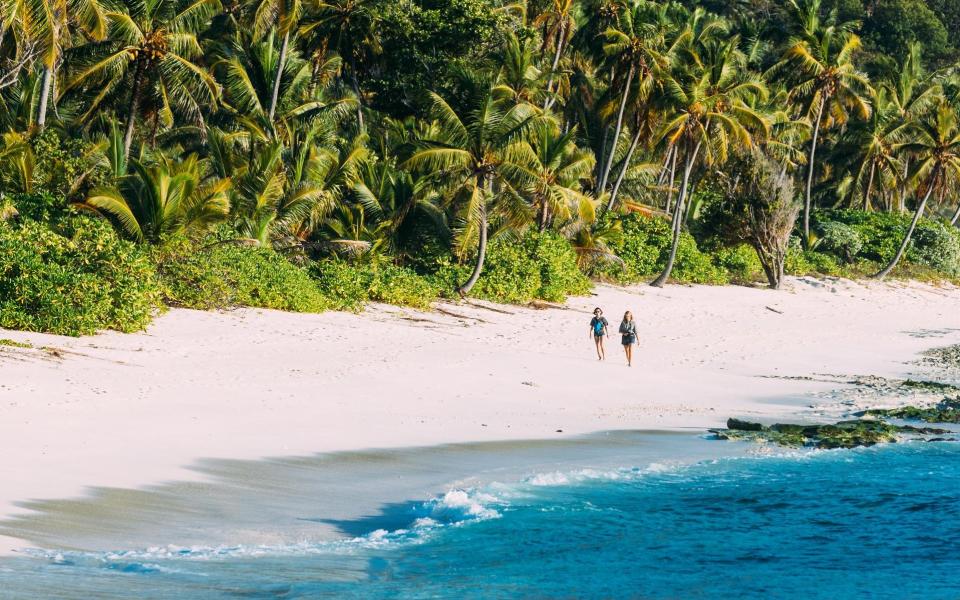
(548, 102)
(866, 195)
(132, 110)
(902, 198)
(623, 171)
(356, 90)
(276, 78)
(617, 130)
(44, 96)
(481, 244)
(913, 225)
(956, 216)
(811, 164)
(678, 218)
(672, 181)
(544, 215)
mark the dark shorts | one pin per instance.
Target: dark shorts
(598, 338)
(628, 340)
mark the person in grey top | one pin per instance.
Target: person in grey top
(628, 333)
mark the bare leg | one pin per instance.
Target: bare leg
(599, 342)
(629, 350)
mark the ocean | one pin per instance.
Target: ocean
(609, 520)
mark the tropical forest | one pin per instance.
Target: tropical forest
(311, 155)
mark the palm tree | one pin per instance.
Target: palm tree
(555, 167)
(162, 199)
(53, 25)
(634, 50)
(150, 48)
(873, 147)
(282, 17)
(519, 80)
(475, 160)
(712, 112)
(911, 94)
(349, 28)
(820, 64)
(395, 200)
(247, 76)
(558, 24)
(937, 148)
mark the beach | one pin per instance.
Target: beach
(130, 410)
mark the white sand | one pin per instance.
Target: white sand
(129, 410)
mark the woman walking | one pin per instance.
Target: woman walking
(628, 332)
(598, 329)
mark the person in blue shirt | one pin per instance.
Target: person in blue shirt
(598, 330)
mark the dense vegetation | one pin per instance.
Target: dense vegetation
(311, 154)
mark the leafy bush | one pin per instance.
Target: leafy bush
(348, 286)
(559, 274)
(540, 266)
(41, 206)
(841, 240)
(807, 262)
(74, 279)
(643, 249)
(227, 275)
(740, 262)
(66, 167)
(935, 244)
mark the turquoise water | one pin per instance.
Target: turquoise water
(880, 522)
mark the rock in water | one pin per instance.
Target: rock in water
(739, 425)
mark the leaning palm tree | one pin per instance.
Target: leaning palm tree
(162, 199)
(474, 161)
(712, 111)
(150, 50)
(937, 147)
(820, 65)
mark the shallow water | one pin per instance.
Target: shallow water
(880, 522)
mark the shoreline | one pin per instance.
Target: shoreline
(127, 411)
(250, 506)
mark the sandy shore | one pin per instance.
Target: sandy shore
(129, 410)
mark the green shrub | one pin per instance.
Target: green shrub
(228, 275)
(403, 287)
(740, 262)
(559, 274)
(644, 247)
(41, 206)
(348, 286)
(935, 244)
(540, 266)
(74, 279)
(807, 262)
(509, 274)
(66, 168)
(840, 240)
